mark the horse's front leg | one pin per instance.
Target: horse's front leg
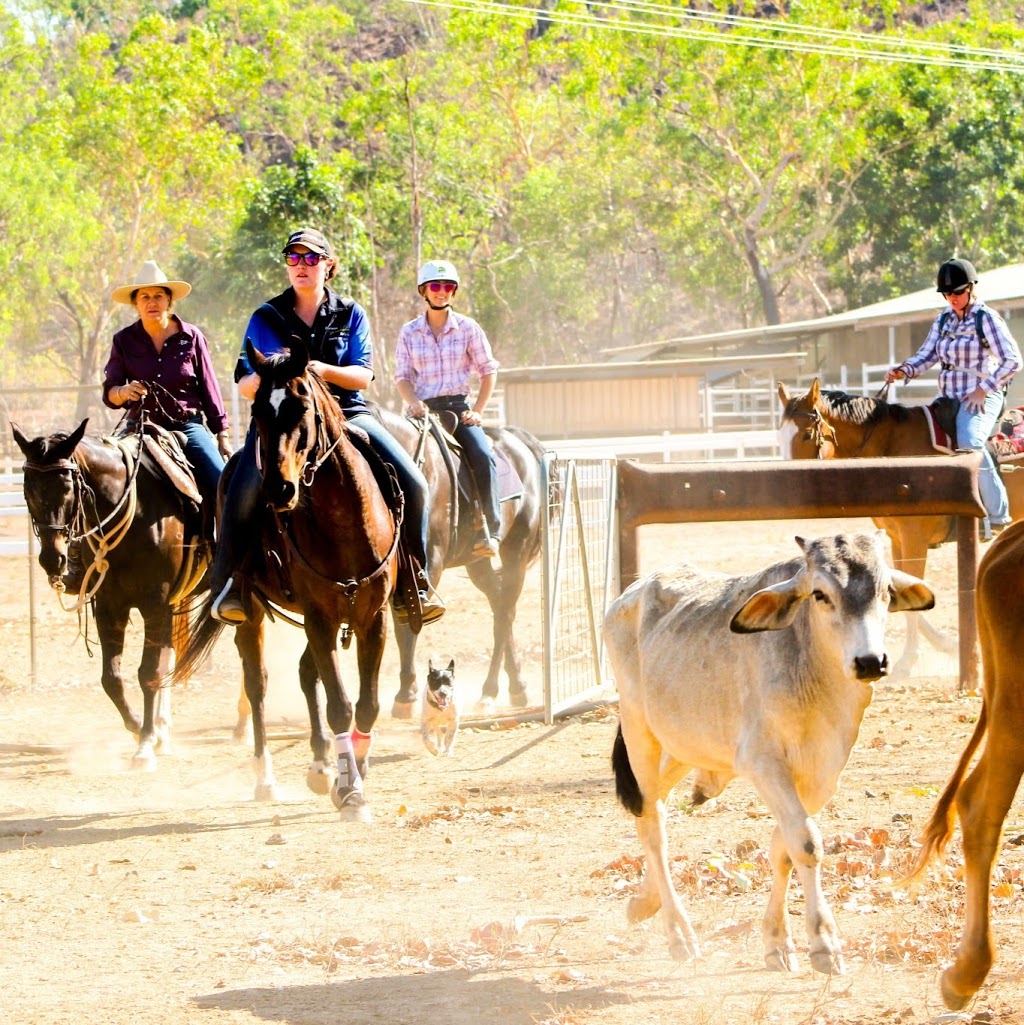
(111, 624)
(153, 672)
(249, 643)
(321, 774)
(404, 706)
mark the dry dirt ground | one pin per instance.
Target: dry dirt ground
(491, 886)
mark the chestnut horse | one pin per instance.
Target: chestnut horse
(324, 545)
(984, 799)
(136, 533)
(825, 424)
(450, 543)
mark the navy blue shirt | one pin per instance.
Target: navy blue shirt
(339, 335)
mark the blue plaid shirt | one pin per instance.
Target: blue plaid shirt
(966, 362)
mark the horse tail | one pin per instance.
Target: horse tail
(939, 829)
(626, 788)
(201, 633)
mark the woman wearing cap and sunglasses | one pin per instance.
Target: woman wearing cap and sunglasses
(978, 356)
(336, 331)
(163, 359)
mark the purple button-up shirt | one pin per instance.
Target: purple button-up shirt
(183, 367)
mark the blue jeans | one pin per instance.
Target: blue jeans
(972, 431)
(410, 479)
(204, 457)
(476, 447)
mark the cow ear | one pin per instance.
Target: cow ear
(772, 608)
(909, 594)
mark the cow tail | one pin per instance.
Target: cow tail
(939, 829)
(625, 781)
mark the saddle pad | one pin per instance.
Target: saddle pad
(509, 483)
(178, 473)
(941, 441)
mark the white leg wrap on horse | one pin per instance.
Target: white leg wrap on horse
(348, 774)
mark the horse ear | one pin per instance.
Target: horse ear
(298, 356)
(23, 442)
(65, 448)
(815, 393)
(783, 395)
(256, 358)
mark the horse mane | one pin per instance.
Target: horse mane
(858, 410)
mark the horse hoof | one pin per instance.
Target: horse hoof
(242, 734)
(402, 709)
(351, 803)
(485, 705)
(144, 763)
(680, 950)
(320, 782)
(265, 792)
(518, 699)
(953, 999)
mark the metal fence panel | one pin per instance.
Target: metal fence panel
(580, 578)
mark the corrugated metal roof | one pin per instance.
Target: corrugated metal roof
(1002, 288)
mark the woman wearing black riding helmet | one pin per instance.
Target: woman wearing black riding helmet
(978, 356)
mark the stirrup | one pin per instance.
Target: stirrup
(228, 606)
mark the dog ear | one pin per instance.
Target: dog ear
(430, 665)
(451, 667)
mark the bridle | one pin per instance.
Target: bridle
(819, 431)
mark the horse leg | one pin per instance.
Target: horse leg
(322, 640)
(369, 652)
(249, 643)
(110, 627)
(153, 671)
(405, 699)
(321, 774)
(243, 724)
(502, 592)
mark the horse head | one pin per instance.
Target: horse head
(52, 485)
(288, 420)
(807, 434)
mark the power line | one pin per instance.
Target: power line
(1004, 60)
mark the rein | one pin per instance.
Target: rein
(74, 527)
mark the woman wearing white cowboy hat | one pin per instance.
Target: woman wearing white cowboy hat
(167, 361)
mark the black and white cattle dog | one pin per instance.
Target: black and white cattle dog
(439, 718)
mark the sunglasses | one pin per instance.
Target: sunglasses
(442, 286)
(309, 259)
(957, 291)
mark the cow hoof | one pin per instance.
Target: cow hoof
(827, 962)
(319, 781)
(780, 960)
(681, 950)
(265, 792)
(638, 910)
(402, 709)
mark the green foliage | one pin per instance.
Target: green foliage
(598, 188)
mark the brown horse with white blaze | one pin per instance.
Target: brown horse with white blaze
(324, 547)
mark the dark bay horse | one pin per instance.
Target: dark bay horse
(825, 424)
(324, 546)
(521, 520)
(137, 535)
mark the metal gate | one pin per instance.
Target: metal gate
(580, 579)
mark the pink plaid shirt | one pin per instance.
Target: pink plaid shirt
(443, 366)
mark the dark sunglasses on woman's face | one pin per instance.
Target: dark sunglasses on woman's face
(309, 259)
(956, 291)
(441, 286)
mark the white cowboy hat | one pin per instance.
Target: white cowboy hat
(150, 274)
